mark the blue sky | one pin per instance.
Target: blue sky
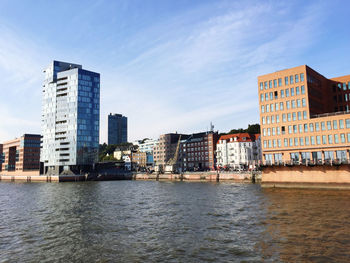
(169, 65)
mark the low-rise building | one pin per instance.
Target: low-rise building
(238, 151)
(21, 154)
(1, 157)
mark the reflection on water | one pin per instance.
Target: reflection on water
(135, 221)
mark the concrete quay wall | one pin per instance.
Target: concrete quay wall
(322, 176)
(196, 177)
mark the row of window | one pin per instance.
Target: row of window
(290, 104)
(340, 86)
(284, 93)
(317, 126)
(287, 80)
(306, 141)
(293, 116)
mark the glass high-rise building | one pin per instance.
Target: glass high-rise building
(70, 119)
(117, 129)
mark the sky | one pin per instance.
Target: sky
(168, 65)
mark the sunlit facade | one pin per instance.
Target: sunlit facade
(70, 118)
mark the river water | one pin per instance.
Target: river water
(150, 221)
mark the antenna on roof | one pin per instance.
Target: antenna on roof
(211, 127)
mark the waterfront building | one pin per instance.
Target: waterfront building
(304, 117)
(117, 129)
(21, 154)
(197, 151)
(138, 160)
(146, 145)
(238, 151)
(2, 157)
(70, 119)
(166, 147)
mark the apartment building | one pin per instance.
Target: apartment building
(197, 151)
(304, 116)
(21, 154)
(70, 118)
(238, 151)
(166, 147)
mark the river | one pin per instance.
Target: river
(150, 221)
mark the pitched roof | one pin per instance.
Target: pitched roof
(241, 137)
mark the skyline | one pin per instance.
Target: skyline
(176, 71)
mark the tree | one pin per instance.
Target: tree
(252, 129)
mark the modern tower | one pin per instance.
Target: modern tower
(117, 129)
(70, 119)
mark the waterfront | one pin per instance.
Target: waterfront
(150, 221)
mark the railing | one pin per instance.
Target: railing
(306, 162)
(329, 114)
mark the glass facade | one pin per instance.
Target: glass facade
(71, 115)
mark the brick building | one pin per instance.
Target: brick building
(304, 116)
(22, 154)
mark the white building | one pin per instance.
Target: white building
(70, 118)
(146, 145)
(241, 150)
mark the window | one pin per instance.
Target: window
(335, 125)
(288, 105)
(301, 140)
(272, 119)
(330, 139)
(305, 128)
(268, 132)
(311, 125)
(268, 120)
(312, 138)
(276, 95)
(336, 138)
(270, 146)
(272, 106)
(317, 126)
(290, 141)
(347, 123)
(281, 105)
(270, 84)
(263, 120)
(274, 131)
(307, 141)
(279, 82)
(300, 128)
(261, 86)
(279, 142)
(299, 115)
(277, 118)
(286, 142)
(298, 103)
(282, 93)
(302, 89)
(283, 130)
(295, 129)
(293, 104)
(329, 125)
(304, 115)
(289, 117)
(275, 83)
(274, 144)
(324, 139)
(287, 93)
(271, 96)
(348, 135)
(296, 78)
(290, 129)
(284, 117)
(261, 97)
(318, 140)
(262, 109)
(265, 84)
(266, 96)
(278, 130)
(302, 77)
(294, 116)
(341, 124)
(297, 90)
(292, 91)
(285, 80)
(342, 138)
(304, 102)
(296, 141)
(276, 106)
(323, 126)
